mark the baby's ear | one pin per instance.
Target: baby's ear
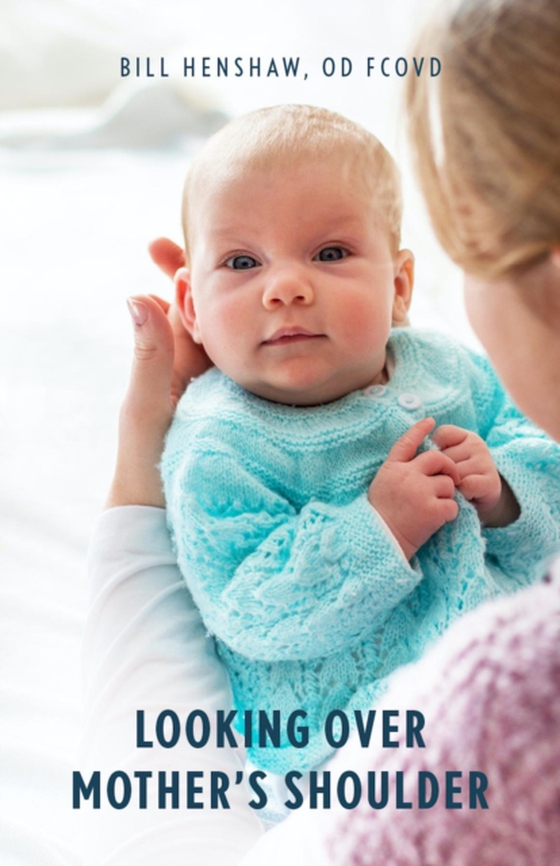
(403, 282)
(185, 305)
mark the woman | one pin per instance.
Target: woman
(488, 164)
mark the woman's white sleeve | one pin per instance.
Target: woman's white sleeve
(145, 649)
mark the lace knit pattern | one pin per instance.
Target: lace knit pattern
(311, 602)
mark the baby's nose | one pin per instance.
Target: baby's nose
(287, 287)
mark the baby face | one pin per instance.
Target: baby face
(292, 286)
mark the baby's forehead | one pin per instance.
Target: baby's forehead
(287, 134)
(337, 165)
(238, 188)
(282, 141)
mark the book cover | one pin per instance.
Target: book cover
(103, 106)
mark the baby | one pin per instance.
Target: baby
(325, 541)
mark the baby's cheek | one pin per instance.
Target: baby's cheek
(217, 323)
(220, 318)
(367, 325)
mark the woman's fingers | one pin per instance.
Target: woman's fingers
(190, 358)
(147, 409)
(165, 305)
(167, 255)
(152, 368)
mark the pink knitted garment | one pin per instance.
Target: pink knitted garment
(490, 694)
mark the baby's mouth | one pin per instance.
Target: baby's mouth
(290, 335)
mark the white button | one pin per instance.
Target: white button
(409, 401)
(375, 390)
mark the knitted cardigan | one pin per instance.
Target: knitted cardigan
(312, 603)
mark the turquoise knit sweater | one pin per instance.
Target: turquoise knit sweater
(311, 602)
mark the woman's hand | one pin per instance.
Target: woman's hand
(167, 255)
(190, 360)
(165, 360)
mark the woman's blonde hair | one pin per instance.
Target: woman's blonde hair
(487, 136)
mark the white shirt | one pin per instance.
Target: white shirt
(145, 648)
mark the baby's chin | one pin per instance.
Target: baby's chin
(307, 393)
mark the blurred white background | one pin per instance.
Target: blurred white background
(91, 168)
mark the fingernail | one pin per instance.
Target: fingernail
(138, 311)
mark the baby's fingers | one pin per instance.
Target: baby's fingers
(447, 510)
(436, 463)
(475, 487)
(406, 447)
(449, 435)
(443, 487)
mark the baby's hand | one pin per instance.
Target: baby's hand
(413, 493)
(479, 480)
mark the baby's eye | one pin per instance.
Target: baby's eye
(331, 254)
(241, 263)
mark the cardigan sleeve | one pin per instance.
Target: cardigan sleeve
(272, 582)
(530, 463)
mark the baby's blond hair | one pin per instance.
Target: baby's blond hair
(487, 139)
(285, 135)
